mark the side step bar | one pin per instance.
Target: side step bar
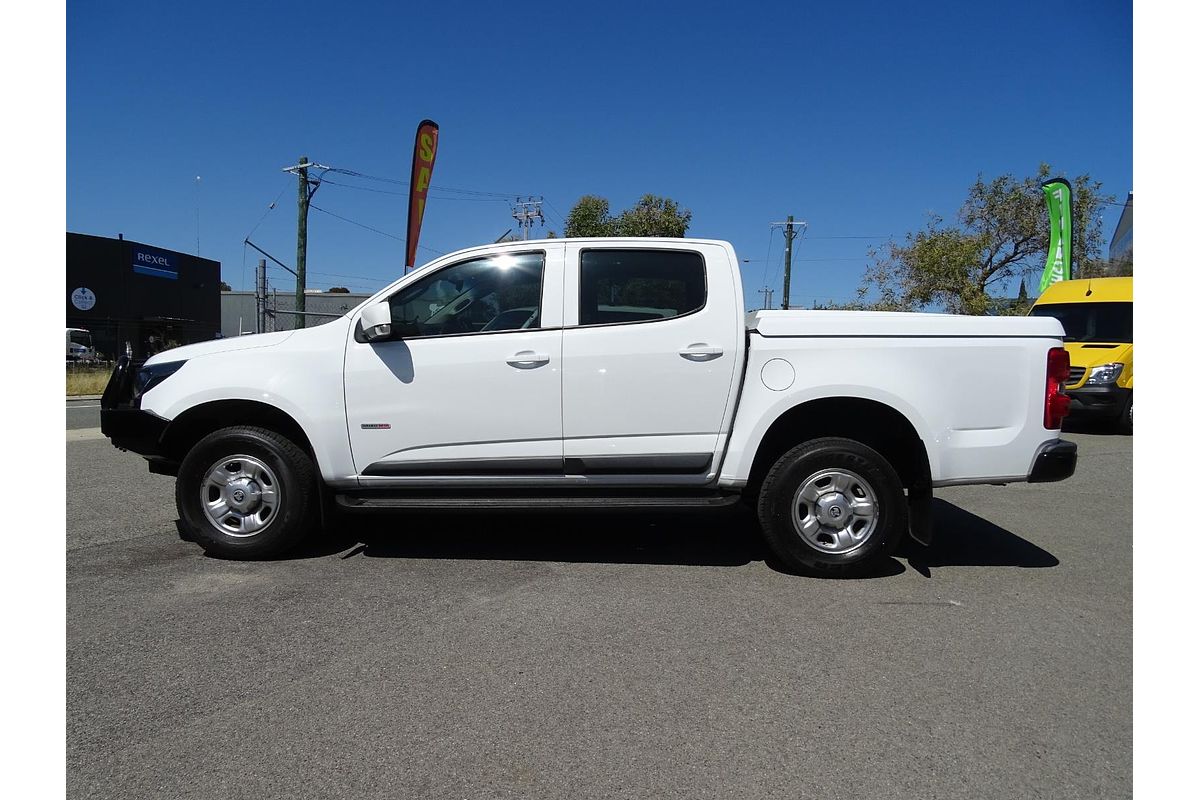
(407, 501)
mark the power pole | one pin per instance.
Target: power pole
(789, 233)
(260, 297)
(307, 189)
(302, 237)
(767, 292)
(525, 212)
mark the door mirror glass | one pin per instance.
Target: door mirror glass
(377, 322)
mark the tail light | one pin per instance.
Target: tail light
(1058, 368)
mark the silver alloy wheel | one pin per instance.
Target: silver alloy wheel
(835, 511)
(240, 495)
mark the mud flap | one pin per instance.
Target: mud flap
(920, 514)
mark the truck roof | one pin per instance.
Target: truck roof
(1088, 290)
(609, 241)
(618, 240)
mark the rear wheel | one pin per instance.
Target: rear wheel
(832, 506)
(1125, 421)
(246, 492)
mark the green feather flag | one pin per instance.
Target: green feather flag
(1058, 259)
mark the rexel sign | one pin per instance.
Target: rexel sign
(155, 263)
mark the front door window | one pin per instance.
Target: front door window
(497, 293)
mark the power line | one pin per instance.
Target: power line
(242, 283)
(344, 275)
(557, 213)
(374, 285)
(270, 208)
(767, 260)
(399, 182)
(246, 238)
(405, 194)
(778, 268)
(359, 224)
(374, 230)
(364, 188)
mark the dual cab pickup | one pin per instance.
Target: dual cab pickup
(598, 373)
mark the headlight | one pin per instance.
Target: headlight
(1105, 373)
(151, 375)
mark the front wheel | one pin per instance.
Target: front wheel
(1125, 421)
(245, 493)
(832, 506)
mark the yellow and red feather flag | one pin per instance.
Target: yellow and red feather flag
(424, 153)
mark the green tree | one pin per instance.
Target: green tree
(654, 216)
(225, 287)
(650, 216)
(589, 217)
(338, 290)
(1001, 232)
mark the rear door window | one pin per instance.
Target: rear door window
(622, 286)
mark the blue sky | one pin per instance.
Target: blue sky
(860, 118)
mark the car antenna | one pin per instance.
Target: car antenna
(1088, 293)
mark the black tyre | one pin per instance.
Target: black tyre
(246, 492)
(1125, 421)
(832, 507)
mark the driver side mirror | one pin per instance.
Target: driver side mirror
(377, 322)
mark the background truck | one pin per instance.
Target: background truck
(630, 377)
(79, 345)
(1097, 317)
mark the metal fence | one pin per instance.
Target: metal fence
(238, 310)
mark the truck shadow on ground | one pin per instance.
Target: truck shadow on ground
(963, 539)
(728, 538)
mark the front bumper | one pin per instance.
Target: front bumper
(130, 427)
(1104, 400)
(1055, 461)
(134, 429)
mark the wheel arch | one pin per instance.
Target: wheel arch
(195, 423)
(872, 422)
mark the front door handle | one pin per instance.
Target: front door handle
(527, 359)
(701, 352)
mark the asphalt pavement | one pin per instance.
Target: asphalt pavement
(581, 656)
(83, 414)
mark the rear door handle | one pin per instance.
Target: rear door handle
(527, 359)
(701, 352)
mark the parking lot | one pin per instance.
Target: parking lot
(600, 656)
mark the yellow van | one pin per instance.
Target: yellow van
(1097, 315)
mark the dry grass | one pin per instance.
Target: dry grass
(87, 380)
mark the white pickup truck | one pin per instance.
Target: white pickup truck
(598, 374)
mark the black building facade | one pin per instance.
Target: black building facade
(152, 299)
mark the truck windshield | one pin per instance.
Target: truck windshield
(1091, 322)
(81, 337)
